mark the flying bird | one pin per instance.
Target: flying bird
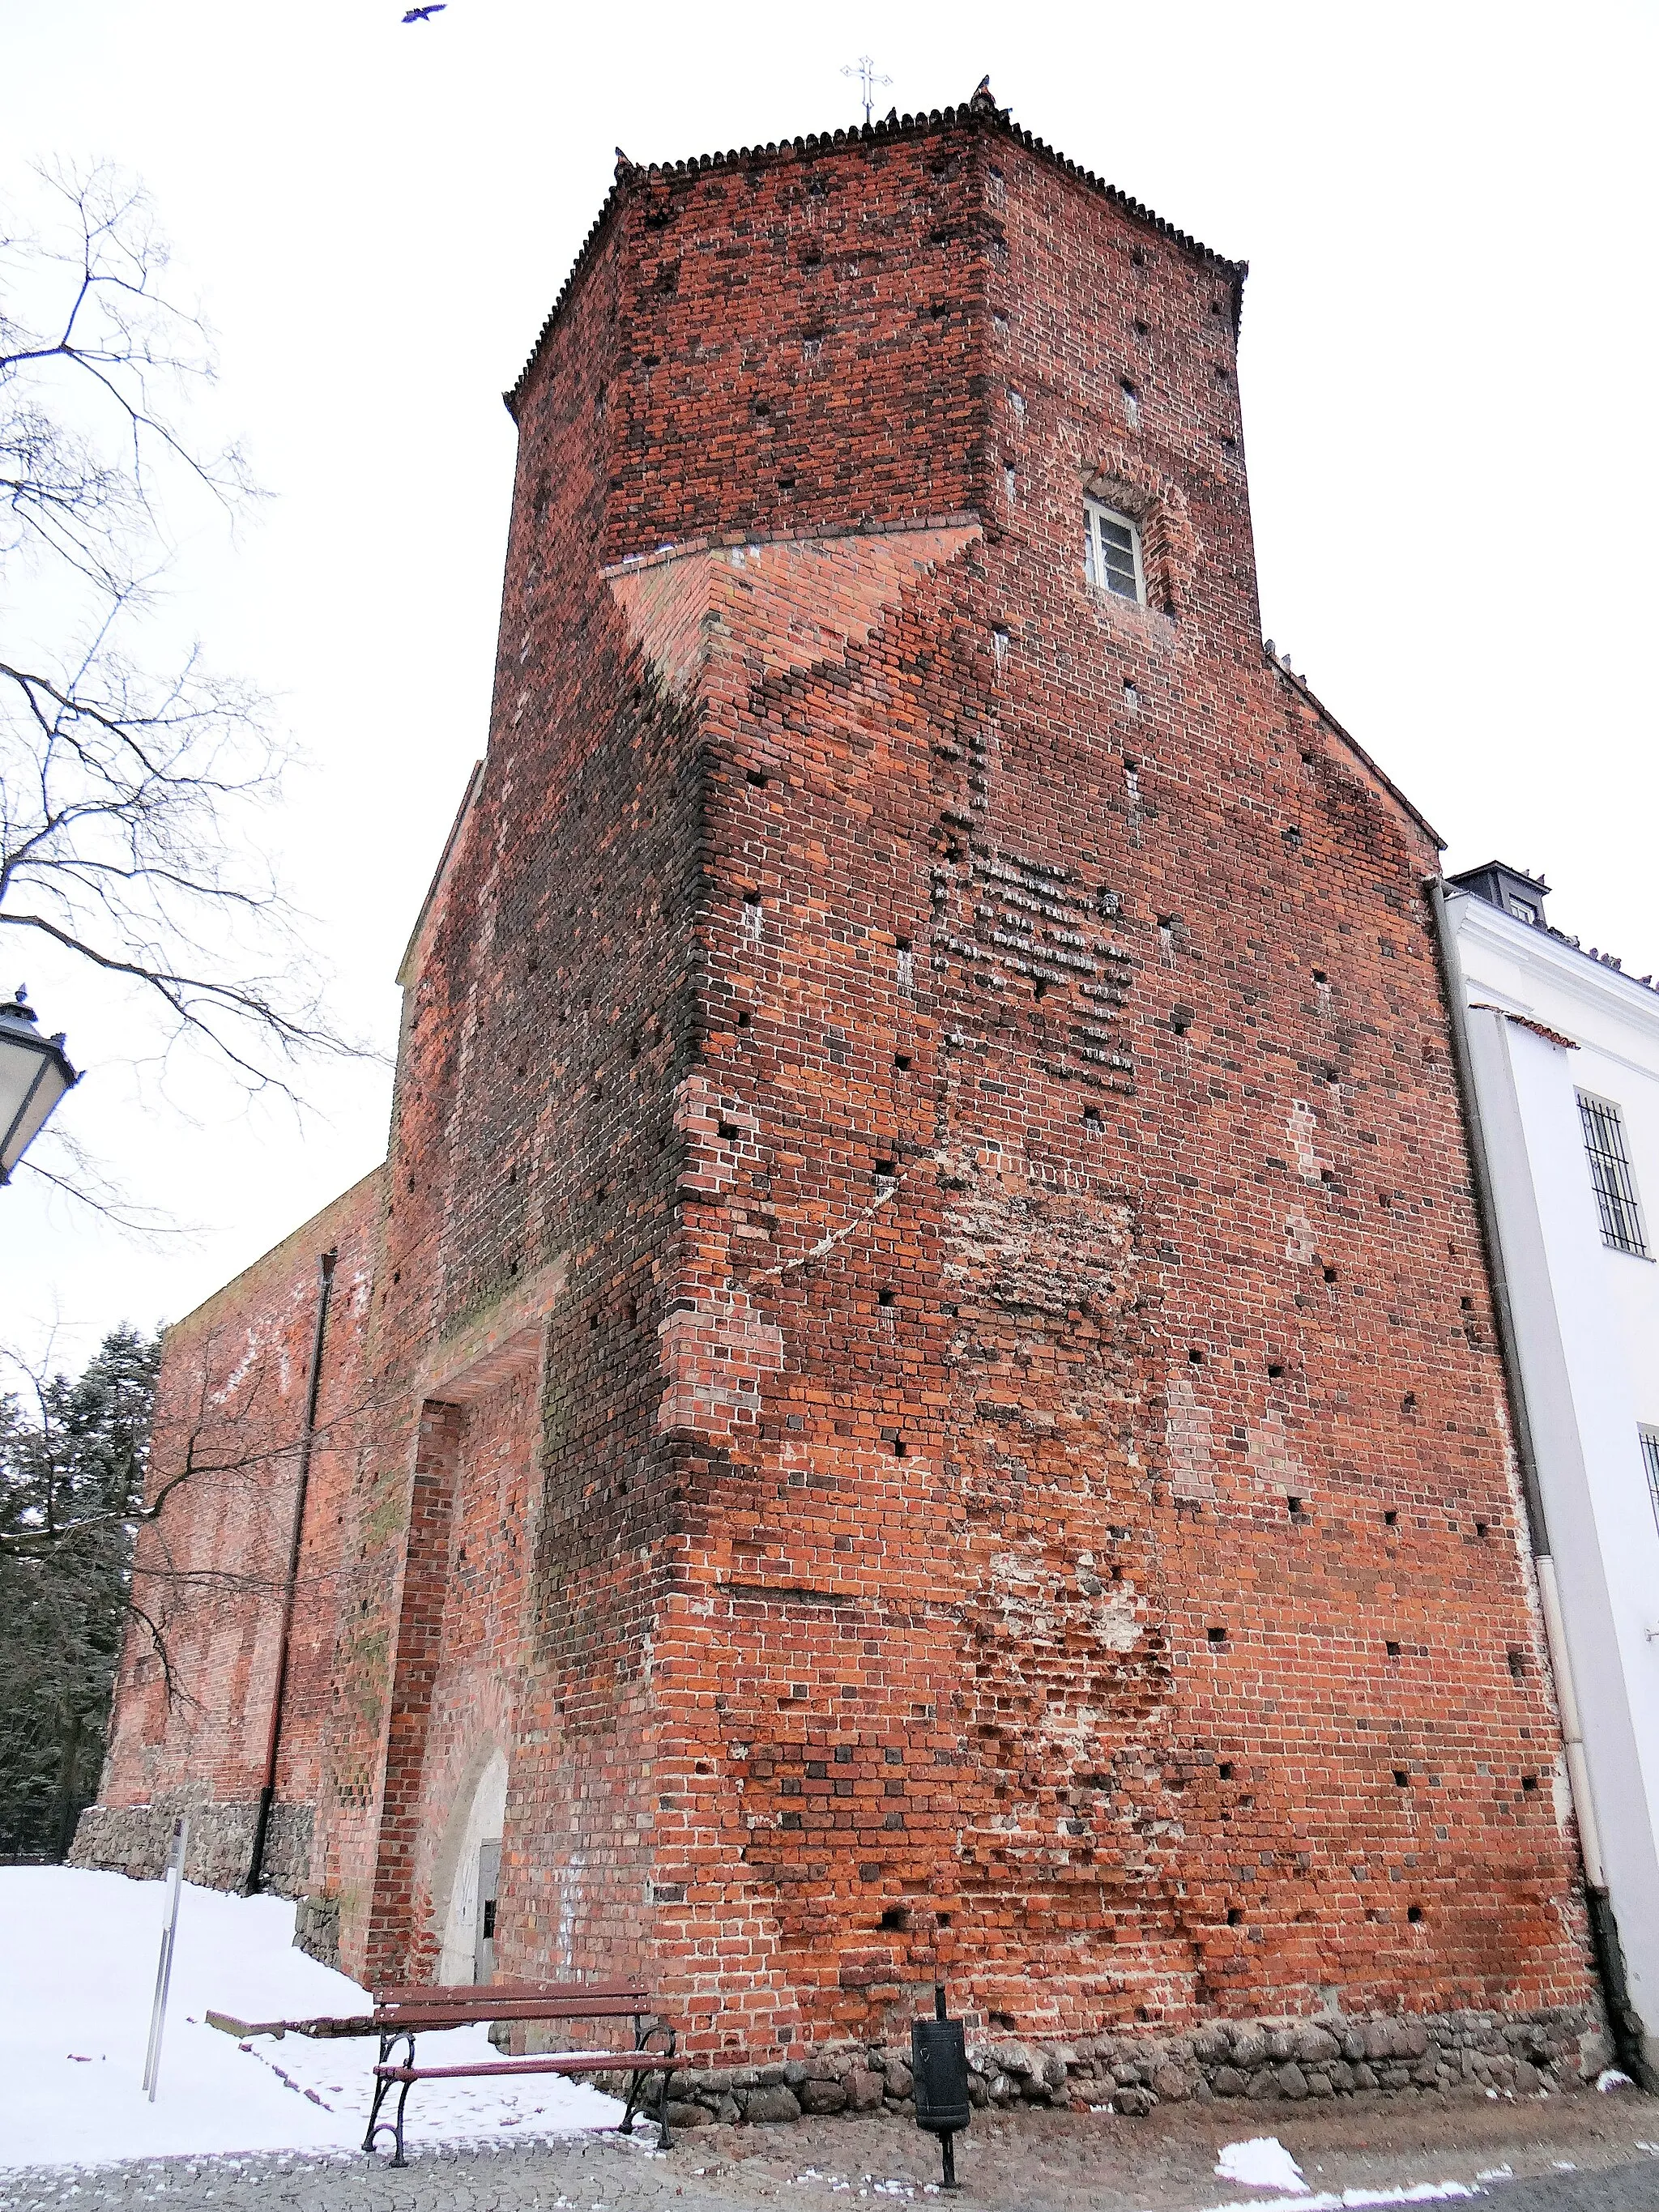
(424, 15)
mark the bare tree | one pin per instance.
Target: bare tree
(132, 774)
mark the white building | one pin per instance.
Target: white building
(1561, 1052)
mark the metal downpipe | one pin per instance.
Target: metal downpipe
(307, 1436)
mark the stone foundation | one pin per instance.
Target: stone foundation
(134, 1839)
(317, 1929)
(1262, 2062)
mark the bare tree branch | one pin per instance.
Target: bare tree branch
(131, 782)
(89, 1187)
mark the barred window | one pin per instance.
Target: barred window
(1111, 551)
(1610, 1173)
(1650, 1461)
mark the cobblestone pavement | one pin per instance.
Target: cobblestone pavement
(1562, 2154)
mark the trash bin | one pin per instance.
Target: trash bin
(939, 2061)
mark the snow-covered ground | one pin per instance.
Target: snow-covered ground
(77, 1974)
(1263, 2162)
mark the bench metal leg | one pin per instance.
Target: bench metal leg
(382, 2086)
(637, 2085)
(398, 2156)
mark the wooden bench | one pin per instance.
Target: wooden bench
(402, 2013)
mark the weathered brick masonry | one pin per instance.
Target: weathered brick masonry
(193, 1697)
(928, 1378)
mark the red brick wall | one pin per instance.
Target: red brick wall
(980, 1678)
(198, 1671)
(799, 344)
(926, 1177)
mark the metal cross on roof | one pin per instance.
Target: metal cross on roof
(865, 70)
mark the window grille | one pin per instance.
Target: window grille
(1650, 1461)
(1111, 552)
(1610, 1173)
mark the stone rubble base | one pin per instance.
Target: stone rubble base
(134, 1840)
(1262, 2061)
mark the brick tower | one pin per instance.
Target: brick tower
(931, 1377)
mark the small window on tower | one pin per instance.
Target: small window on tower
(1111, 552)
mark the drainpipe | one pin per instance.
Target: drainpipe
(307, 1435)
(1622, 2018)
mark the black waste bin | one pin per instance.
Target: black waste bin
(939, 2061)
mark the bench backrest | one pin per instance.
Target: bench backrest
(448, 1995)
(433, 2008)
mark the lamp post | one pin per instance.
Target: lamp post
(34, 1073)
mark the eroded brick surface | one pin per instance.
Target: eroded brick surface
(927, 1339)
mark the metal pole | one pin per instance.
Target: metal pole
(947, 2142)
(164, 1964)
(268, 1793)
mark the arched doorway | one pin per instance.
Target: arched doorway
(465, 1895)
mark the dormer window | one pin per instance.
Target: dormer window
(1511, 890)
(1111, 552)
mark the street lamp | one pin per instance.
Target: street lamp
(34, 1073)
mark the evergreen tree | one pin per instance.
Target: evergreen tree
(72, 1471)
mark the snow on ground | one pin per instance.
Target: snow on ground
(1263, 2162)
(77, 1968)
(1352, 2200)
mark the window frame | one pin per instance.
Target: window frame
(1649, 1439)
(1622, 1201)
(1096, 510)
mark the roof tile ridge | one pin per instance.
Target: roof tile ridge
(1237, 270)
(1526, 1022)
(966, 114)
(1613, 961)
(1299, 684)
(585, 253)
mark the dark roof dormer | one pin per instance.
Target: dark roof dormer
(1510, 889)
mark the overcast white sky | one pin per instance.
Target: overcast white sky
(1448, 375)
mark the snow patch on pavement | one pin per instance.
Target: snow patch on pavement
(1263, 2162)
(79, 1950)
(1420, 2192)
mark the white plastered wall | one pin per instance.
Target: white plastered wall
(1588, 1323)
